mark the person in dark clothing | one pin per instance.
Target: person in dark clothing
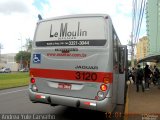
(155, 75)
(139, 78)
(147, 73)
(133, 74)
(129, 74)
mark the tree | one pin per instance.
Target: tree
(28, 45)
(25, 58)
(25, 55)
(129, 63)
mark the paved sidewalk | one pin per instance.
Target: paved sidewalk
(142, 105)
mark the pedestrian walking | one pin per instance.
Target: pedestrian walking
(139, 78)
(134, 74)
(130, 75)
(147, 74)
(155, 75)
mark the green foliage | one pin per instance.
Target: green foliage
(135, 62)
(25, 55)
(158, 65)
(13, 80)
(25, 58)
(129, 62)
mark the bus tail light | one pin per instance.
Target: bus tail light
(108, 78)
(33, 86)
(32, 80)
(103, 87)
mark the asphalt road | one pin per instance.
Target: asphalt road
(16, 101)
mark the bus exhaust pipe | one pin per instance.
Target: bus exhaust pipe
(49, 101)
(78, 104)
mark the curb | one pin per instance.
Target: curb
(126, 105)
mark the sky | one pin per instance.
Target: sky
(18, 18)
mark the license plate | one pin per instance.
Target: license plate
(64, 86)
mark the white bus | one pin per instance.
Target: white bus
(78, 61)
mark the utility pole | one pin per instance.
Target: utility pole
(132, 50)
(132, 55)
(132, 32)
(21, 65)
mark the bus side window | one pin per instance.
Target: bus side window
(121, 60)
(115, 51)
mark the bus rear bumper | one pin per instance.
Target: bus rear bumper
(103, 106)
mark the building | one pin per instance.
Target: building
(153, 26)
(142, 48)
(8, 60)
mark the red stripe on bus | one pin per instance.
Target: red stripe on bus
(71, 75)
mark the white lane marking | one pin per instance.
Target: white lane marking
(12, 92)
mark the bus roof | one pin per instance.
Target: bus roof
(75, 16)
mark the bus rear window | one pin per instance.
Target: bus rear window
(88, 31)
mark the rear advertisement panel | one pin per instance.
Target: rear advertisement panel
(87, 31)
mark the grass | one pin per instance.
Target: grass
(11, 80)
